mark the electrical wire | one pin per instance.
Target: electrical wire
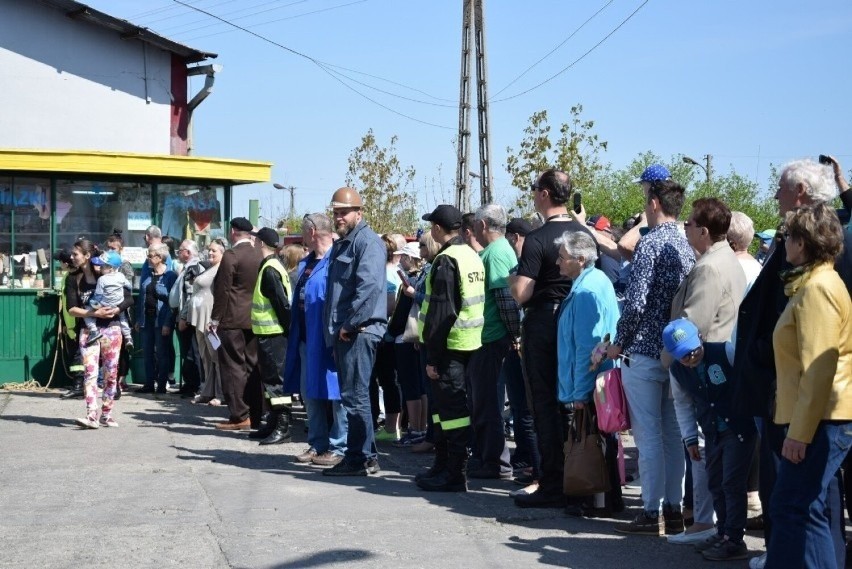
(573, 63)
(315, 62)
(551, 52)
(327, 64)
(164, 18)
(206, 23)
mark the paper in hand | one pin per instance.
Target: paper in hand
(214, 340)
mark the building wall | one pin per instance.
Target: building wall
(73, 85)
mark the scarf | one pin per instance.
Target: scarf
(795, 278)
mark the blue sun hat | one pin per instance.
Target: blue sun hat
(111, 258)
(680, 337)
(654, 173)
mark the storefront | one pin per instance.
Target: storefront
(49, 199)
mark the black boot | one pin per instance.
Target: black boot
(266, 429)
(281, 433)
(452, 479)
(438, 466)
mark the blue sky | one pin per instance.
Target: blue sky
(750, 82)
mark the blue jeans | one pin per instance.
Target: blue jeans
(801, 533)
(322, 436)
(656, 432)
(157, 349)
(354, 367)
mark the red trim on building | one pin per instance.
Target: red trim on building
(179, 128)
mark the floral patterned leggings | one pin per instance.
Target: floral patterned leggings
(104, 352)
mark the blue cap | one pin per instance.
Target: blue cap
(111, 258)
(766, 235)
(680, 337)
(653, 173)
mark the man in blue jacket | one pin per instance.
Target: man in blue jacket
(356, 319)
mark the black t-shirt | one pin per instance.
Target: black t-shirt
(538, 261)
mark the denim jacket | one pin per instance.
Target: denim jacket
(165, 314)
(356, 298)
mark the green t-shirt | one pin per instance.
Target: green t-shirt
(499, 258)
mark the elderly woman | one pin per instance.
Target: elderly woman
(740, 236)
(813, 357)
(156, 320)
(105, 352)
(587, 315)
(201, 305)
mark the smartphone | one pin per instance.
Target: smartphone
(578, 202)
(823, 159)
(403, 277)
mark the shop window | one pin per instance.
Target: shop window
(24, 232)
(191, 211)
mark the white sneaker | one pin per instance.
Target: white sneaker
(634, 484)
(686, 538)
(108, 422)
(87, 423)
(757, 562)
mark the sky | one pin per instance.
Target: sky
(751, 83)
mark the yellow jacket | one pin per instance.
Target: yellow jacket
(813, 353)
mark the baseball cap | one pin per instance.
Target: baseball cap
(680, 337)
(412, 249)
(653, 173)
(445, 215)
(520, 226)
(111, 258)
(766, 235)
(268, 235)
(599, 222)
(241, 224)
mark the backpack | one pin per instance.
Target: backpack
(610, 402)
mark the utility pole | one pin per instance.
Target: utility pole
(473, 12)
(709, 169)
(292, 190)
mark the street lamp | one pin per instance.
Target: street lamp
(292, 191)
(707, 169)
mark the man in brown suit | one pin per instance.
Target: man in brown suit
(231, 321)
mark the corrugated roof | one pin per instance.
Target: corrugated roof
(125, 29)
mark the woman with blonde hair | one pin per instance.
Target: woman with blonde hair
(812, 342)
(201, 305)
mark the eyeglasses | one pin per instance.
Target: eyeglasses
(535, 186)
(153, 255)
(688, 223)
(182, 250)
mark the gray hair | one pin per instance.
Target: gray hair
(579, 244)
(160, 249)
(154, 232)
(319, 221)
(495, 217)
(817, 179)
(741, 231)
(190, 246)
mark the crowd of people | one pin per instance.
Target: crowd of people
(734, 368)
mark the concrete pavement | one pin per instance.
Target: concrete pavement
(165, 489)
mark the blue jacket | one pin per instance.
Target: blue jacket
(320, 370)
(165, 314)
(588, 313)
(357, 289)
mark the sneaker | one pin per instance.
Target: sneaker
(372, 466)
(214, 403)
(410, 439)
(633, 482)
(691, 538)
(727, 550)
(87, 423)
(345, 468)
(93, 337)
(709, 542)
(525, 491)
(383, 435)
(642, 524)
(108, 422)
(758, 562)
(128, 343)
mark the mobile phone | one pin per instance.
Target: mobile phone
(823, 159)
(578, 202)
(403, 277)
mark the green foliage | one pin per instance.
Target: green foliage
(390, 205)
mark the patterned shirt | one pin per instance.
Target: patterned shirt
(661, 261)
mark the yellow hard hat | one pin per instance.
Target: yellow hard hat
(346, 197)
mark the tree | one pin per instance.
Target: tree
(390, 205)
(576, 152)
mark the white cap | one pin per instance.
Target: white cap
(412, 249)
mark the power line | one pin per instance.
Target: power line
(573, 63)
(315, 62)
(327, 64)
(403, 97)
(181, 14)
(549, 53)
(208, 25)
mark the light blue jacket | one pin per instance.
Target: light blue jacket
(320, 372)
(356, 298)
(587, 314)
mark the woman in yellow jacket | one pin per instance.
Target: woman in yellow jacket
(813, 355)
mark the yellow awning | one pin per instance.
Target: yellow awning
(225, 170)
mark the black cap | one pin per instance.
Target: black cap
(241, 224)
(520, 226)
(268, 235)
(445, 215)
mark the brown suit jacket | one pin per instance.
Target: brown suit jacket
(233, 286)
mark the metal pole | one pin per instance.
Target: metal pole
(462, 188)
(254, 211)
(485, 180)
(709, 169)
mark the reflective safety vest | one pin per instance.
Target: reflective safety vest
(264, 321)
(466, 333)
